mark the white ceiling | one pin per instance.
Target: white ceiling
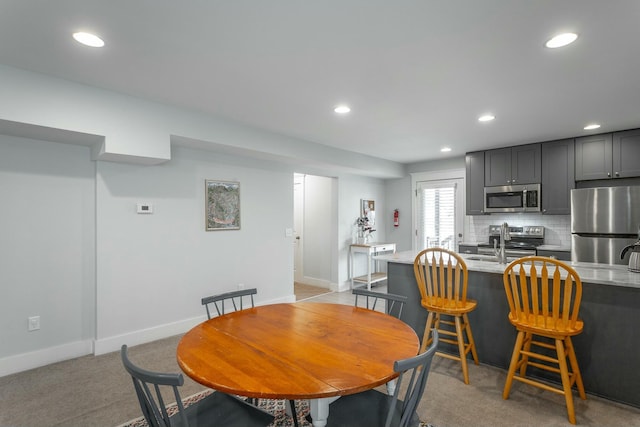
(417, 74)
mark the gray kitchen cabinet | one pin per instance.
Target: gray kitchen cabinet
(594, 157)
(608, 156)
(497, 167)
(474, 183)
(561, 255)
(513, 165)
(626, 154)
(468, 249)
(557, 176)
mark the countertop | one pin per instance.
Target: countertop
(604, 274)
(554, 248)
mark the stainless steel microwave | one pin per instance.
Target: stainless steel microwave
(512, 198)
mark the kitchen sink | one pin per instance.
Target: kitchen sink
(487, 258)
(483, 258)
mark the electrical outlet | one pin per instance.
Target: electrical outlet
(240, 286)
(34, 323)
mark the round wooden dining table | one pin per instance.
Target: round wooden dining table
(303, 350)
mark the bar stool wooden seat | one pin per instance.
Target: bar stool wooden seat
(544, 297)
(442, 280)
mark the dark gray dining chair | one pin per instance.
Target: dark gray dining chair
(215, 409)
(237, 299)
(394, 303)
(376, 409)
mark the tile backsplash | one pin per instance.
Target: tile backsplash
(557, 228)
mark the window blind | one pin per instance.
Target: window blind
(436, 206)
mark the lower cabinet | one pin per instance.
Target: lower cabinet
(561, 255)
(468, 249)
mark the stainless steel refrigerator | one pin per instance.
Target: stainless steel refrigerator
(603, 221)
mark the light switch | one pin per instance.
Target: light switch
(145, 208)
(288, 232)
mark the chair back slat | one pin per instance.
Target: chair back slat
(238, 299)
(442, 277)
(147, 386)
(394, 303)
(545, 296)
(543, 292)
(534, 287)
(417, 370)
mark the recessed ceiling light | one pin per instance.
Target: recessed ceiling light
(592, 126)
(445, 149)
(88, 39)
(486, 118)
(342, 109)
(561, 40)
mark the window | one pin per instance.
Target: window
(439, 213)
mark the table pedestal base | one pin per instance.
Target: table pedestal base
(319, 409)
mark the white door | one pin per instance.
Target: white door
(439, 213)
(298, 215)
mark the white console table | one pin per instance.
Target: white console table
(369, 249)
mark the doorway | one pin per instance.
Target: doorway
(439, 213)
(438, 209)
(298, 210)
(315, 227)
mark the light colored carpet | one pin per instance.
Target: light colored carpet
(274, 407)
(96, 391)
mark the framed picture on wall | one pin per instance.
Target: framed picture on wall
(368, 209)
(222, 205)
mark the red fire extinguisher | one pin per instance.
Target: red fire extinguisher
(396, 220)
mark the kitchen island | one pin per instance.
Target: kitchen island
(607, 351)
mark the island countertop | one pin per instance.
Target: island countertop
(603, 274)
(610, 309)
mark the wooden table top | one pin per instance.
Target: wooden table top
(296, 351)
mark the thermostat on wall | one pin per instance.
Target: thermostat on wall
(145, 208)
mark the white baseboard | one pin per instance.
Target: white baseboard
(344, 287)
(142, 336)
(109, 344)
(35, 359)
(321, 283)
(25, 361)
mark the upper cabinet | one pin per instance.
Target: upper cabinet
(593, 157)
(475, 183)
(626, 154)
(610, 155)
(557, 176)
(513, 165)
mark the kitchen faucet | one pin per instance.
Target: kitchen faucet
(504, 235)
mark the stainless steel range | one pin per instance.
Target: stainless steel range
(524, 240)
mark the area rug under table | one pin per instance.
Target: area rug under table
(274, 407)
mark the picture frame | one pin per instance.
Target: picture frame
(368, 209)
(222, 205)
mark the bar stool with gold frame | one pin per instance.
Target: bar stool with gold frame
(442, 279)
(544, 297)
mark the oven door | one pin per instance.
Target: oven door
(511, 253)
(519, 253)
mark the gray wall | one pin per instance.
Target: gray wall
(318, 228)
(398, 193)
(75, 252)
(351, 190)
(47, 250)
(153, 269)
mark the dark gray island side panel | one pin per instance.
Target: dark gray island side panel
(607, 351)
